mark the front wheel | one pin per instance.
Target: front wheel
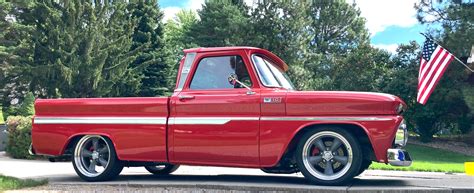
(329, 156)
(95, 159)
(163, 169)
(364, 166)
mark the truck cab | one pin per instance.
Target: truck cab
(219, 97)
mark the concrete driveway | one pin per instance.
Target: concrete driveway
(62, 176)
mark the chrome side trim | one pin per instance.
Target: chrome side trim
(207, 120)
(101, 120)
(324, 119)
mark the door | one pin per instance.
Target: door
(215, 121)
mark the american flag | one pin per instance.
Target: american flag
(434, 61)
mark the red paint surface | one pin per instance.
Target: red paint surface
(132, 142)
(258, 143)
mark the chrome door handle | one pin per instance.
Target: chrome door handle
(183, 97)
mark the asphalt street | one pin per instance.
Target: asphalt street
(61, 174)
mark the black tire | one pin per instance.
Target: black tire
(163, 169)
(97, 155)
(313, 164)
(364, 166)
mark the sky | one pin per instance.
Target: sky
(390, 22)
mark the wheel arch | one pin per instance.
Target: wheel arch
(359, 132)
(73, 139)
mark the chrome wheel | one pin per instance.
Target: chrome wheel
(92, 155)
(327, 155)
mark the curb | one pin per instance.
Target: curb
(239, 187)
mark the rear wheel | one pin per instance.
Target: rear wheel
(163, 169)
(95, 159)
(329, 156)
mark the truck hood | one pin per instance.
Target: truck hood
(304, 103)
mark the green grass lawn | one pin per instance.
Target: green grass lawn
(11, 183)
(430, 160)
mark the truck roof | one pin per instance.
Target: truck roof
(214, 49)
(271, 56)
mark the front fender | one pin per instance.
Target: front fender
(277, 137)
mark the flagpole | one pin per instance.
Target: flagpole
(465, 65)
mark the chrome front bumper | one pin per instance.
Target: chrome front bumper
(398, 157)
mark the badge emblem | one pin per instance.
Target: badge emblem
(272, 100)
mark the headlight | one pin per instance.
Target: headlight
(401, 136)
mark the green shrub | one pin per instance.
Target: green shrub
(19, 137)
(27, 107)
(10, 111)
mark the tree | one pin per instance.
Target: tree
(314, 38)
(14, 51)
(70, 48)
(280, 27)
(363, 69)
(336, 27)
(177, 38)
(336, 30)
(148, 35)
(223, 23)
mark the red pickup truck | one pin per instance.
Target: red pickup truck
(232, 106)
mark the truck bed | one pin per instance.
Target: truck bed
(137, 125)
(110, 107)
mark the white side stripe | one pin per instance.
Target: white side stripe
(101, 120)
(324, 119)
(208, 120)
(187, 120)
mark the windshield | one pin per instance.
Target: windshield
(270, 74)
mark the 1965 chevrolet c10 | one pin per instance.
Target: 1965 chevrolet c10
(232, 106)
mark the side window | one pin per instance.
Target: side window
(188, 61)
(214, 72)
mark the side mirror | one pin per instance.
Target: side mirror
(233, 81)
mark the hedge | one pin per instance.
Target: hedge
(19, 137)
